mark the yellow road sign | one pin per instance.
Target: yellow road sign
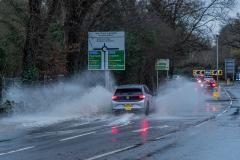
(198, 72)
(215, 72)
(203, 72)
(220, 72)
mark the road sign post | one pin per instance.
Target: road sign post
(217, 60)
(157, 80)
(229, 68)
(161, 64)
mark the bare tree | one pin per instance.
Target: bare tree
(75, 13)
(190, 20)
(230, 33)
(37, 28)
(32, 40)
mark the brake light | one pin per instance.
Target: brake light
(142, 97)
(114, 98)
(214, 85)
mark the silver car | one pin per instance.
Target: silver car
(132, 98)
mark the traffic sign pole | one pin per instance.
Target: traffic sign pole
(162, 65)
(217, 62)
(107, 79)
(157, 80)
(106, 69)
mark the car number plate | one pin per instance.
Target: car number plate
(128, 107)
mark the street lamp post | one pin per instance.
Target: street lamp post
(217, 36)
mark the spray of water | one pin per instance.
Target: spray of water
(82, 97)
(180, 98)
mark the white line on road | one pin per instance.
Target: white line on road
(81, 124)
(220, 114)
(142, 130)
(164, 136)
(164, 126)
(202, 123)
(224, 111)
(118, 125)
(110, 153)
(77, 136)
(18, 150)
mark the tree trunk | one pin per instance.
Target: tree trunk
(31, 47)
(1, 89)
(75, 13)
(72, 34)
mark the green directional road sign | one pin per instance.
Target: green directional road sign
(94, 60)
(107, 50)
(116, 60)
(162, 64)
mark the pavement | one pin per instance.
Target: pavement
(209, 133)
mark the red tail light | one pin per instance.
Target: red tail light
(142, 97)
(214, 85)
(114, 98)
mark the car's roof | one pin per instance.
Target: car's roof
(130, 86)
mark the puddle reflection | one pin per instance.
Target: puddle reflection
(211, 108)
(114, 131)
(144, 130)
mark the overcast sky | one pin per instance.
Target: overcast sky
(236, 9)
(233, 13)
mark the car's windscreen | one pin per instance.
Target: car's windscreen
(128, 91)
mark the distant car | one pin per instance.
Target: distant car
(209, 84)
(176, 77)
(209, 79)
(131, 98)
(200, 79)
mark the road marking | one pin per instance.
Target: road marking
(18, 150)
(123, 125)
(164, 126)
(110, 153)
(220, 114)
(77, 136)
(224, 111)
(118, 125)
(164, 136)
(202, 123)
(81, 124)
(142, 130)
